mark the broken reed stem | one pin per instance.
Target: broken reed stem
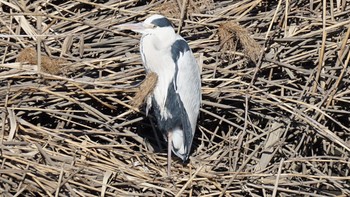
(38, 43)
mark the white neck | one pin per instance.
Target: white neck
(161, 38)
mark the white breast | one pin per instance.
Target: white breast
(160, 62)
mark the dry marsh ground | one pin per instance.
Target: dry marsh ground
(274, 120)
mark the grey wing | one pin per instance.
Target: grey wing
(188, 84)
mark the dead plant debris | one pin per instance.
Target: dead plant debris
(279, 130)
(173, 8)
(145, 89)
(48, 65)
(231, 35)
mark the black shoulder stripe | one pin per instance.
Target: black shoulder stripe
(179, 46)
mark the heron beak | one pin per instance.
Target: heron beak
(136, 27)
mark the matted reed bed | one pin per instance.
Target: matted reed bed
(275, 114)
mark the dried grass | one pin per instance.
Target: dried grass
(48, 65)
(230, 35)
(279, 127)
(145, 89)
(173, 8)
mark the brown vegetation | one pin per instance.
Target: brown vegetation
(274, 118)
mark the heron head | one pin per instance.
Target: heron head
(155, 24)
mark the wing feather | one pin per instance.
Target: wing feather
(188, 83)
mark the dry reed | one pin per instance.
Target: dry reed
(276, 127)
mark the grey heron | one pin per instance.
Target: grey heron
(177, 95)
